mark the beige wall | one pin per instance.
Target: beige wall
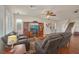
(2, 27)
(61, 25)
(31, 19)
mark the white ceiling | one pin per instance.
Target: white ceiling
(61, 11)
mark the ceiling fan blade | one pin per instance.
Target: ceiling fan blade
(53, 15)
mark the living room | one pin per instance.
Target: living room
(39, 22)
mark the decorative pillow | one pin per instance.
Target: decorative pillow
(12, 39)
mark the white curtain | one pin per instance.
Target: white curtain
(19, 26)
(9, 27)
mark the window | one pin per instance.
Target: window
(9, 27)
(19, 25)
(1, 20)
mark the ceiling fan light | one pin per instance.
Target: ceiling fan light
(53, 15)
(47, 16)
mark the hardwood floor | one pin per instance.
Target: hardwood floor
(73, 48)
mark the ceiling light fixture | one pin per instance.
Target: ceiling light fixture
(48, 13)
(76, 11)
(32, 6)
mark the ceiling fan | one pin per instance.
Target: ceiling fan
(48, 13)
